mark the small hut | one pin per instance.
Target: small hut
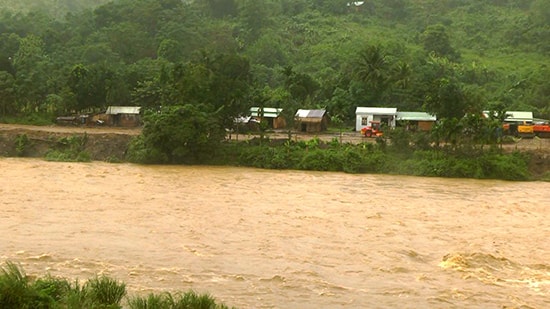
(123, 116)
(416, 121)
(311, 120)
(272, 115)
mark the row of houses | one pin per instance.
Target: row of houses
(317, 120)
(305, 120)
(117, 116)
(422, 121)
(390, 117)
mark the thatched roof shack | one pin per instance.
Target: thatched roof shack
(123, 116)
(413, 121)
(272, 115)
(311, 120)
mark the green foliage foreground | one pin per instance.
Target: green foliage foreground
(380, 157)
(384, 159)
(18, 291)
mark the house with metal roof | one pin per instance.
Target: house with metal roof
(273, 116)
(311, 120)
(516, 117)
(123, 116)
(366, 115)
(414, 121)
(519, 117)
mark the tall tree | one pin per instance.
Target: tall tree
(302, 86)
(372, 70)
(436, 40)
(255, 16)
(7, 94)
(177, 134)
(32, 70)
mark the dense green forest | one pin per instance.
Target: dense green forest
(447, 57)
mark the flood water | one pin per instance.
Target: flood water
(281, 239)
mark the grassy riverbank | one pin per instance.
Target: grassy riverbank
(17, 290)
(383, 158)
(519, 160)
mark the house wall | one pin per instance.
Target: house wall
(127, 120)
(274, 123)
(364, 120)
(279, 123)
(311, 126)
(425, 125)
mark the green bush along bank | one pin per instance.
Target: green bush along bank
(378, 158)
(17, 290)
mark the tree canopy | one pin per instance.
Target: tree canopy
(445, 57)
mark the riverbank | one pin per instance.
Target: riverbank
(111, 144)
(102, 144)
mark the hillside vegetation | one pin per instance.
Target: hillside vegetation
(56, 8)
(223, 56)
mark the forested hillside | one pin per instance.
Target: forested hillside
(443, 56)
(56, 8)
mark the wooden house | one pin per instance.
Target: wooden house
(416, 121)
(122, 116)
(311, 120)
(273, 116)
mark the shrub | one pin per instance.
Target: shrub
(177, 134)
(105, 292)
(70, 149)
(400, 139)
(320, 160)
(22, 142)
(17, 291)
(188, 300)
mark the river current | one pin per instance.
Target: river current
(281, 239)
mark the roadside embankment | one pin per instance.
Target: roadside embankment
(31, 141)
(111, 144)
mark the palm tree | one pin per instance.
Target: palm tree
(371, 69)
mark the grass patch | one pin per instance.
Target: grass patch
(17, 290)
(70, 149)
(545, 177)
(317, 155)
(22, 142)
(35, 119)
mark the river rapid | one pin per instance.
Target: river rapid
(281, 239)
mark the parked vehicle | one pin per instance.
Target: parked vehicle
(523, 129)
(542, 130)
(374, 130)
(67, 121)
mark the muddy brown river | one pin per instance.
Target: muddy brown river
(281, 239)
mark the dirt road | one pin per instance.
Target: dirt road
(71, 129)
(526, 144)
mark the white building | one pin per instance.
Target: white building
(366, 115)
(515, 116)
